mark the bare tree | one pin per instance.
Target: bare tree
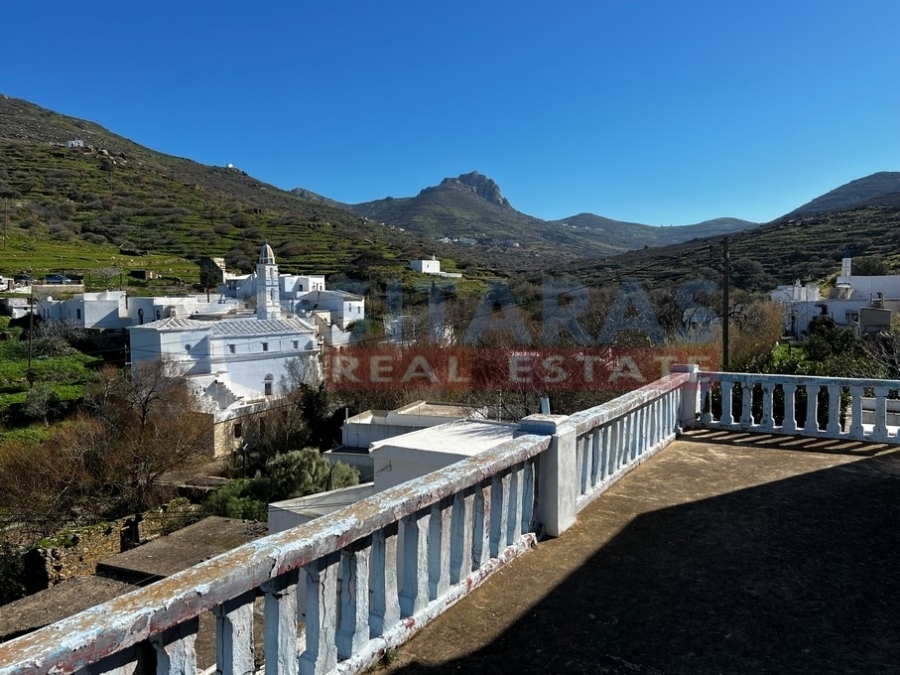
(142, 424)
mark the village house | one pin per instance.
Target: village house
(235, 366)
(865, 303)
(330, 312)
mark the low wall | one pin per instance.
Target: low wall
(75, 552)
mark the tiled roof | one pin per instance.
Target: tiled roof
(251, 326)
(256, 326)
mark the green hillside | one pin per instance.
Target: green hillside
(73, 207)
(806, 247)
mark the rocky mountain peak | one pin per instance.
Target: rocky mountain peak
(481, 185)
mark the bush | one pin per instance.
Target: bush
(288, 475)
(239, 498)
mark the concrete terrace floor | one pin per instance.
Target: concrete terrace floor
(727, 553)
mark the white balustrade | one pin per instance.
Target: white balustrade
(459, 525)
(833, 408)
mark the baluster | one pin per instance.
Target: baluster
(856, 423)
(439, 548)
(834, 410)
(499, 512)
(659, 407)
(514, 521)
(640, 435)
(234, 635)
(528, 485)
(627, 439)
(353, 633)
(461, 542)
(747, 404)
(789, 424)
(385, 601)
(175, 653)
(596, 459)
(414, 596)
(726, 419)
(705, 401)
(321, 615)
(767, 421)
(280, 640)
(811, 427)
(606, 444)
(615, 442)
(641, 445)
(880, 431)
(481, 531)
(583, 463)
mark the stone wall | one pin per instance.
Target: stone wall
(75, 552)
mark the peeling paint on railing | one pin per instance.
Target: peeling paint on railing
(94, 635)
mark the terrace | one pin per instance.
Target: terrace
(758, 542)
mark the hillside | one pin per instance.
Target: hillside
(855, 193)
(626, 236)
(805, 247)
(90, 200)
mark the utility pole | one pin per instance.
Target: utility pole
(5, 221)
(726, 282)
(30, 339)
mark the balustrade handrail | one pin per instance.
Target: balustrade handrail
(798, 379)
(82, 639)
(585, 421)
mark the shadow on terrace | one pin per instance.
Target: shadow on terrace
(725, 554)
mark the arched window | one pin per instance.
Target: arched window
(268, 382)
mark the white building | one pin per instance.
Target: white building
(360, 432)
(234, 365)
(280, 295)
(432, 266)
(116, 310)
(849, 297)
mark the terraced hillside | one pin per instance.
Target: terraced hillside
(73, 206)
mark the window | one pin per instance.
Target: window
(296, 344)
(268, 388)
(238, 429)
(77, 313)
(265, 346)
(268, 384)
(187, 348)
(231, 349)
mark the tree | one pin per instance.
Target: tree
(288, 475)
(869, 266)
(142, 424)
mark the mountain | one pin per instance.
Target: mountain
(471, 207)
(855, 193)
(627, 236)
(77, 191)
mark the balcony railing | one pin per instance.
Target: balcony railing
(818, 407)
(447, 531)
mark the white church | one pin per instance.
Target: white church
(235, 365)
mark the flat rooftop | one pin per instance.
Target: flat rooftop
(726, 553)
(57, 603)
(461, 438)
(185, 548)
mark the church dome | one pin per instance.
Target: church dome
(267, 255)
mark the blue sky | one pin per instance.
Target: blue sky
(661, 112)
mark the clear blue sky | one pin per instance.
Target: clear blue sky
(662, 112)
